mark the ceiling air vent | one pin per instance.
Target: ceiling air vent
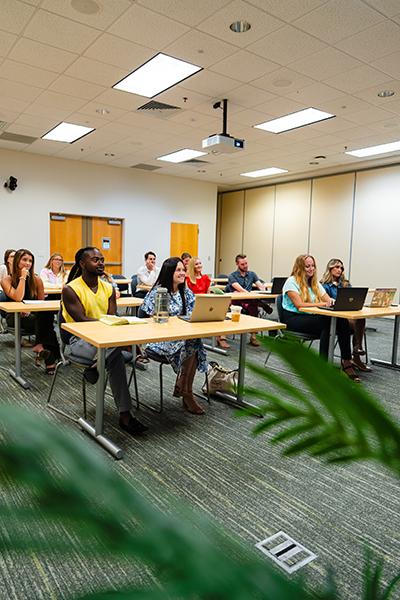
(159, 109)
(195, 161)
(145, 167)
(3, 124)
(16, 137)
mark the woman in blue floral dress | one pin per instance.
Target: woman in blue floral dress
(185, 356)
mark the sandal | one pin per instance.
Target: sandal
(222, 343)
(50, 369)
(351, 373)
(360, 366)
(359, 351)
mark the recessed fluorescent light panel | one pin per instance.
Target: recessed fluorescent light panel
(373, 150)
(67, 132)
(264, 172)
(295, 120)
(181, 155)
(157, 75)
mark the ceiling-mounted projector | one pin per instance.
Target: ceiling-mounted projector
(222, 142)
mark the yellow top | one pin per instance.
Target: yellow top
(94, 304)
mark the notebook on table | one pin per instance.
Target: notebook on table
(348, 298)
(208, 307)
(382, 297)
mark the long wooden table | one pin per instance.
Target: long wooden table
(102, 336)
(364, 313)
(46, 305)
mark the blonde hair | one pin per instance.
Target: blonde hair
(327, 276)
(299, 273)
(190, 271)
(52, 257)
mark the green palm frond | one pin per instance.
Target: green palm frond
(335, 419)
(373, 571)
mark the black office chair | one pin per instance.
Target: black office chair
(123, 287)
(162, 361)
(303, 338)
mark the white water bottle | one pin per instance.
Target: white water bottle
(161, 313)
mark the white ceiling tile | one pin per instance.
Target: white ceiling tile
(286, 45)
(370, 115)
(356, 79)
(95, 72)
(237, 10)
(18, 91)
(45, 147)
(60, 101)
(373, 43)
(250, 117)
(371, 94)
(39, 55)
(12, 105)
(200, 49)
(280, 106)
(44, 124)
(248, 96)
(287, 10)
(210, 84)
(15, 71)
(6, 42)
(178, 96)
(116, 51)
(244, 66)
(148, 28)
(13, 146)
(26, 130)
(389, 64)
(190, 12)
(315, 93)
(324, 64)
(76, 87)
(117, 98)
(343, 105)
(60, 32)
(388, 7)
(394, 106)
(55, 114)
(91, 107)
(339, 19)
(109, 11)
(332, 125)
(282, 81)
(14, 15)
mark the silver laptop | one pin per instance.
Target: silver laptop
(382, 297)
(208, 307)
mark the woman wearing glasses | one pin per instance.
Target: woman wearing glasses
(333, 279)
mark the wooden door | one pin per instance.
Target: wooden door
(66, 236)
(106, 234)
(184, 238)
(230, 231)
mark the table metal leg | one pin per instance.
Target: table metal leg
(237, 400)
(16, 373)
(332, 335)
(393, 364)
(213, 348)
(97, 431)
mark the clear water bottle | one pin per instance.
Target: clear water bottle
(161, 313)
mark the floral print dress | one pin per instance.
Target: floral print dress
(177, 351)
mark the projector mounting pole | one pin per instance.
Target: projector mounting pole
(224, 107)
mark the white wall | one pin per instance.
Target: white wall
(148, 203)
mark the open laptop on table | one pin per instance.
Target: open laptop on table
(382, 297)
(349, 298)
(277, 286)
(208, 307)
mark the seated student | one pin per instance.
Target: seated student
(6, 269)
(333, 279)
(185, 257)
(24, 284)
(242, 280)
(185, 356)
(53, 273)
(303, 289)
(147, 274)
(200, 284)
(86, 298)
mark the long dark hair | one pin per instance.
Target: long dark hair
(76, 270)
(6, 255)
(166, 278)
(31, 280)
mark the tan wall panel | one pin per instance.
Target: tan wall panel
(258, 229)
(331, 218)
(376, 249)
(292, 213)
(231, 232)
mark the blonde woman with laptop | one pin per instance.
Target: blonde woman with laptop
(303, 289)
(333, 279)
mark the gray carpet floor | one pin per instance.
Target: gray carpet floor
(214, 464)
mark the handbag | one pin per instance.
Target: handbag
(221, 379)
